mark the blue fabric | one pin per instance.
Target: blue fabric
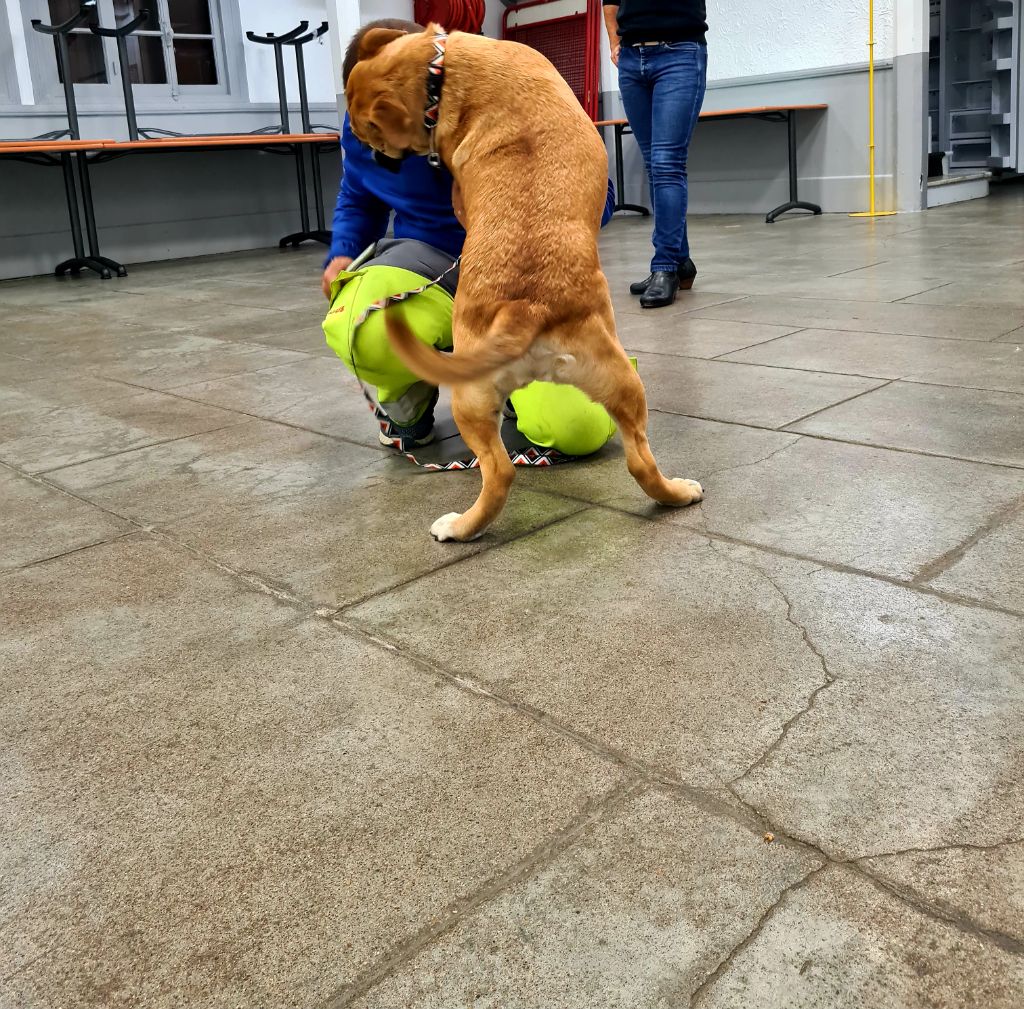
(662, 91)
(421, 197)
(609, 205)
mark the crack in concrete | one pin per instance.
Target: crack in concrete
(453, 915)
(943, 912)
(829, 677)
(755, 462)
(705, 986)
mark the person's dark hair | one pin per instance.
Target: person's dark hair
(352, 53)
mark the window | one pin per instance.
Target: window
(86, 60)
(177, 47)
(8, 71)
(178, 50)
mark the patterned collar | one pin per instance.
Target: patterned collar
(435, 84)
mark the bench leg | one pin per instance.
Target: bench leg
(795, 203)
(105, 268)
(620, 178)
(792, 205)
(318, 234)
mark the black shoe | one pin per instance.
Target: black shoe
(687, 275)
(661, 291)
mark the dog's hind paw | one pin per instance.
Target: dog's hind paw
(444, 530)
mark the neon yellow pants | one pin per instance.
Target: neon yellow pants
(548, 414)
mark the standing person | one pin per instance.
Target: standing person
(661, 52)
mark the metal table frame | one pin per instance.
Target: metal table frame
(770, 114)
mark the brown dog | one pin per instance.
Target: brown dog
(532, 302)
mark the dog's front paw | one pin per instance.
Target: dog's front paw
(687, 492)
(444, 528)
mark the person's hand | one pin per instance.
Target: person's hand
(615, 54)
(333, 268)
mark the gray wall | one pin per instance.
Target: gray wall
(156, 206)
(741, 166)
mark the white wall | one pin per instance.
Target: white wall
(263, 16)
(750, 38)
(373, 10)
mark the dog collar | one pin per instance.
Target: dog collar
(435, 84)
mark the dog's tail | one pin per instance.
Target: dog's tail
(508, 339)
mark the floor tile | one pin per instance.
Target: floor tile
(317, 394)
(963, 423)
(742, 393)
(683, 447)
(845, 504)
(15, 372)
(986, 885)
(917, 742)
(842, 942)
(168, 359)
(39, 388)
(681, 684)
(315, 801)
(42, 436)
(979, 293)
(992, 570)
(691, 337)
(996, 366)
(848, 287)
(862, 316)
(37, 522)
(612, 922)
(326, 520)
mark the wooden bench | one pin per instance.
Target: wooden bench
(80, 154)
(768, 113)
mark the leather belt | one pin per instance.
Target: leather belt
(634, 45)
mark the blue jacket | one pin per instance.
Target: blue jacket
(421, 197)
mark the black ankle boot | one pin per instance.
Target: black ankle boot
(641, 285)
(661, 291)
(687, 275)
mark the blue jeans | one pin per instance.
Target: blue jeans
(662, 91)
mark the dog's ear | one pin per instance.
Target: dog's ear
(376, 39)
(390, 118)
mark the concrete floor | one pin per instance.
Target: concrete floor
(266, 744)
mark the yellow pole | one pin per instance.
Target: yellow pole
(872, 212)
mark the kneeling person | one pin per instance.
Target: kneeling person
(547, 414)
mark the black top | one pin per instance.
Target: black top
(660, 20)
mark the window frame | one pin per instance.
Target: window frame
(9, 88)
(226, 33)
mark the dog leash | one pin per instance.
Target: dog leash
(532, 456)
